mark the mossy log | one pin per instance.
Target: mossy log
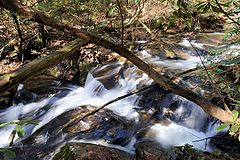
(11, 80)
(167, 84)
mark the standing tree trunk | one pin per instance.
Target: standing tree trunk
(20, 53)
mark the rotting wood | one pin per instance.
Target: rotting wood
(166, 83)
(11, 80)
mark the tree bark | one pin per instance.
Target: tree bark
(167, 84)
(11, 80)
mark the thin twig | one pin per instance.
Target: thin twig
(218, 136)
(205, 68)
(186, 72)
(146, 27)
(122, 23)
(225, 13)
(35, 3)
(136, 14)
(80, 117)
(207, 138)
(204, 139)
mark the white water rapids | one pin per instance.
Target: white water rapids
(95, 94)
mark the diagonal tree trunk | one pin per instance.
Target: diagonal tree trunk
(37, 16)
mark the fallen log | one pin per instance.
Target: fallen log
(166, 83)
(11, 80)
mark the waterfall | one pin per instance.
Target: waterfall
(93, 93)
(187, 121)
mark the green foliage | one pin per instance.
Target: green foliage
(226, 76)
(66, 152)
(221, 127)
(207, 6)
(8, 123)
(112, 10)
(191, 15)
(183, 17)
(19, 130)
(20, 122)
(234, 125)
(136, 1)
(234, 31)
(8, 153)
(232, 7)
(235, 115)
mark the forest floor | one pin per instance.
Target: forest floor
(97, 22)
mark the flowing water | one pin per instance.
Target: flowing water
(186, 122)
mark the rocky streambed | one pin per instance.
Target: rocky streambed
(153, 124)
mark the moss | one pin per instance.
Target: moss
(64, 153)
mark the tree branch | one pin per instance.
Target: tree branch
(166, 83)
(82, 117)
(225, 13)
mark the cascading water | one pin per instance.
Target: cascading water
(187, 121)
(188, 124)
(95, 94)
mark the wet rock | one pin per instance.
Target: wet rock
(108, 74)
(23, 96)
(226, 143)
(150, 99)
(210, 38)
(167, 48)
(182, 112)
(149, 150)
(103, 125)
(146, 134)
(81, 151)
(42, 84)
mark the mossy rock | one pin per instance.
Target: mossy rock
(82, 151)
(65, 152)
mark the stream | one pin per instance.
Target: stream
(152, 115)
